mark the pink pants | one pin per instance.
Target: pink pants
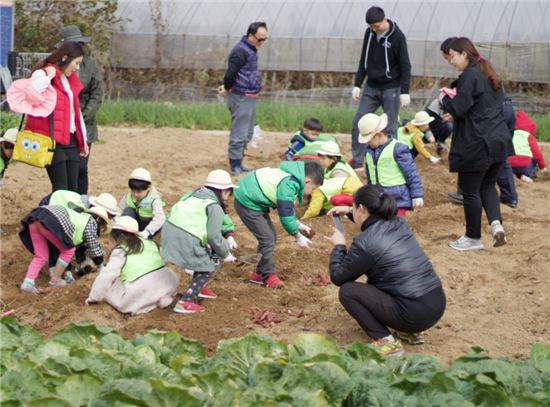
(40, 237)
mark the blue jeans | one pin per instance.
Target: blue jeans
(530, 170)
(371, 100)
(506, 183)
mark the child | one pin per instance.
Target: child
(270, 188)
(333, 192)
(389, 164)
(332, 161)
(65, 229)
(135, 279)
(412, 134)
(528, 154)
(192, 237)
(143, 203)
(305, 143)
(7, 143)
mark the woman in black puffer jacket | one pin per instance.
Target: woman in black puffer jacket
(403, 291)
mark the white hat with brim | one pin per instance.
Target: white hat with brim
(219, 179)
(126, 224)
(330, 148)
(141, 174)
(107, 202)
(98, 211)
(10, 136)
(422, 118)
(370, 124)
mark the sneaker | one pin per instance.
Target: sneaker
(511, 204)
(207, 293)
(497, 231)
(388, 348)
(455, 198)
(256, 278)
(68, 277)
(58, 283)
(411, 338)
(273, 282)
(189, 271)
(237, 171)
(526, 179)
(188, 307)
(29, 288)
(465, 243)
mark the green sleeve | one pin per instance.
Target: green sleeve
(228, 225)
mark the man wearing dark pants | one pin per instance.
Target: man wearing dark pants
(385, 62)
(243, 82)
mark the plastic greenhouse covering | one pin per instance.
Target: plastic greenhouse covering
(326, 36)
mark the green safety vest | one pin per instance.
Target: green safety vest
(311, 147)
(79, 221)
(405, 138)
(331, 187)
(386, 171)
(521, 143)
(139, 264)
(268, 180)
(189, 214)
(341, 166)
(64, 198)
(145, 207)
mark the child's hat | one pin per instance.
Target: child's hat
(10, 135)
(126, 223)
(98, 211)
(421, 118)
(141, 174)
(107, 202)
(330, 148)
(219, 179)
(370, 124)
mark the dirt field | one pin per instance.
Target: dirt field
(498, 299)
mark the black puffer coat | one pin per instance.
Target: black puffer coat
(387, 252)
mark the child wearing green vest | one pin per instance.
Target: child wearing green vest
(333, 163)
(333, 192)
(192, 237)
(7, 143)
(65, 229)
(143, 203)
(306, 141)
(412, 135)
(275, 188)
(389, 164)
(135, 279)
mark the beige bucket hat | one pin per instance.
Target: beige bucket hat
(421, 118)
(126, 223)
(141, 174)
(370, 124)
(10, 135)
(219, 179)
(330, 148)
(107, 202)
(98, 211)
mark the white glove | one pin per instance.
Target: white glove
(418, 202)
(544, 169)
(434, 160)
(356, 93)
(305, 229)
(230, 259)
(144, 234)
(405, 100)
(232, 243)
(303, 241)
(222, 91)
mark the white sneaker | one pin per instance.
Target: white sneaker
(465, 243)
(497, 231)
(526, 179)
(189, 271)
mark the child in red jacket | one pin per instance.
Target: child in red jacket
(528, 155)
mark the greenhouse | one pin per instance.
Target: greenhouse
(326, 36)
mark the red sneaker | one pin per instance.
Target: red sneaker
(273, 282)
(256, 278)
(188, 307)
(207, 293)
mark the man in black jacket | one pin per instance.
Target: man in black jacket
(385, 62)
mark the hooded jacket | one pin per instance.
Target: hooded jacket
(385, 61)
(524, 122)
(250, 195)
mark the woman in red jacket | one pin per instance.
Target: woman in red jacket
(59, 70)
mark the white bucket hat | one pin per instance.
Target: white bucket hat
(219, 179)
(107, 202)
(98, 211)
(126, 223)
(10, 135)
(330, 148)
(141, 174)
(370, 124)
(421, 118)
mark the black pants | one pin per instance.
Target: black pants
(142, 222)
(82, 188)
(375, 310)
(63, 171)
(479, 192)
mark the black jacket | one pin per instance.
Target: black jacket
(382, 73)
(387, 252)
(480, 134)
